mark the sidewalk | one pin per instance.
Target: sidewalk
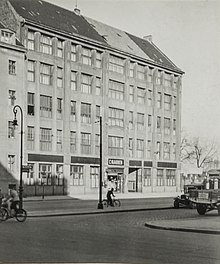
(208, 223)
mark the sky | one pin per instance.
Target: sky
(188, 32)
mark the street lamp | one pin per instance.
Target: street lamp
(15, 123)
(100, 204)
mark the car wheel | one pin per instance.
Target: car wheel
(176, 204)
(201, 208)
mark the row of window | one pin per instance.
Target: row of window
(116, 63)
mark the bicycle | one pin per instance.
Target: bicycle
(116, 203)
(19, 214)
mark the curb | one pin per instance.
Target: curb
(98, 212)
(191, 230)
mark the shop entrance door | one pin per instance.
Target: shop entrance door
(135, 180)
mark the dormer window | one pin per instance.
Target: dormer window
(6, 36)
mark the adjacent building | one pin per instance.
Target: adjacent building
(70, 70)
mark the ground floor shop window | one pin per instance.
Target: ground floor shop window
(45, 174)
(59, 174)
(160, 177)
(147, 176)
(171, 177)
(30, 175)
(76, 175)
(94, 177)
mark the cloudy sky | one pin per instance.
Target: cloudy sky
(188, 32)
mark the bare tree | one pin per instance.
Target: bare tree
(198, 151)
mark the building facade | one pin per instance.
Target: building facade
(75, 70)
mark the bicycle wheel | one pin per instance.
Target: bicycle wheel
(117, 203)
(21, 215)
(3, 214)
(105, 203)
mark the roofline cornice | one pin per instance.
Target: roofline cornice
(101, 45)
(13, 47)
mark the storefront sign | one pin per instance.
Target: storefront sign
(118, 162)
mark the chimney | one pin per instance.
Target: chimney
(148, 38)
(77, 11)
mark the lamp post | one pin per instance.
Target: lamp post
(15, 123)
(100, 204)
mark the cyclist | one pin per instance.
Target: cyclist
(14, 199)
(109, 196)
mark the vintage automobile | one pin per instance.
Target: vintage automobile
(183, 199)
(206, 200)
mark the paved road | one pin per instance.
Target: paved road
(120, 237)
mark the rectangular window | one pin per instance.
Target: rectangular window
(98, 59)
(11, 163)
(97, 112)
(147, 176)
(170, 177)
(158, 124)
(98, 86)
(140, 72)
(6, 37)
(59, 77)
(59, 175)
(166, 150)
(149, 97)
(85, 113)
(59, 140)
(167, 102)
(167, 126)
(11, 97)
(97, 144)
(140, 121)
(131, 120)
(60, 48)
(159, 100)
(159, 78)
(131, 69)
(45, 174)
(45, 139)
(12, 67)
(116, 64)
(73, 81)
(150, 75)
(30, 103)
(167, 79)
(86, 85)
(131, 93)
(174, 127)
(115, 146)
(140, 95)
(46, 44)
(72, 141)
(160, 181)
(31, 71)
(94, 177)
(140, 148)
(149, 122)
(73, 111)
(30, 175)
(45, 74)
(11, 129)
(45, 106)
(59, 108)
(85, 143)
(30, 40)
(86, 56)
(158, 152)
(131, 147)
(149, 149)
(116, 117)
(76, 175)
(73, 52)
(116, 90)
(30, 138)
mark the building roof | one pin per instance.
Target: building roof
(55, 17)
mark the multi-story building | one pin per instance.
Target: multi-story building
(74, 71)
